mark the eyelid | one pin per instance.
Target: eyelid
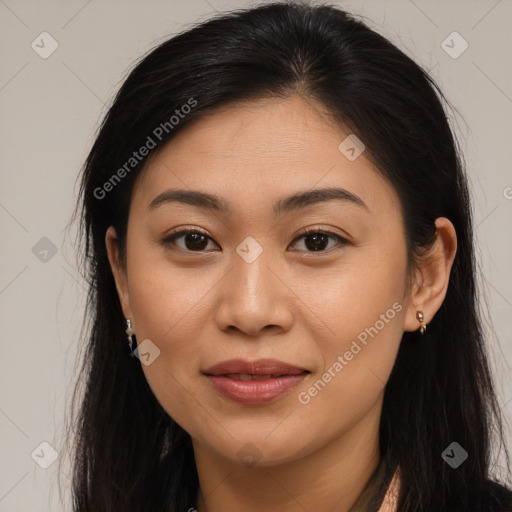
(322, 230)
(341, 241)
(182, 231)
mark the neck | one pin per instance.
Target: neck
(329, 478)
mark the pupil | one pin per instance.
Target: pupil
(318, 238)
(196, 241)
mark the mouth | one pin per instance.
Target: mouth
(254, 382)
(260, 368)
(248, 376)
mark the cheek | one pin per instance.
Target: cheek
(361, 308)
(169, 313)
(169, 309)
(362, 343)
(353, 296)
(166, 301)
(358, 357)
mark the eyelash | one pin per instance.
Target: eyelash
(169, 240)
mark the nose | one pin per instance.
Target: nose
(255, 298)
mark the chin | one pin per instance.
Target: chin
(256, 448)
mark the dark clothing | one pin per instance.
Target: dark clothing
(496, 498)
(372, 495)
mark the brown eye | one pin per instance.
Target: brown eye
(318, 241)
(193, 240)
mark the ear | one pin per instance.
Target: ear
(118, 271)
(432, 276)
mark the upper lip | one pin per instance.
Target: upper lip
(258, 367)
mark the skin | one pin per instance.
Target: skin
(298, 306)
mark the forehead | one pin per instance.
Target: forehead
(268, 148)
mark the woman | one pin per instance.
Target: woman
(277, 228)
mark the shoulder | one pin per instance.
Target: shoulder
(491, 497)
(496, 498)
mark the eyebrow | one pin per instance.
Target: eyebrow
(294, 202)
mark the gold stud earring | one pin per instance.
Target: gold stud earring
(421, 318)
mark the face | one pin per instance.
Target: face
(249, 285)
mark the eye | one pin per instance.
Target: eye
(194, 240)
(317, 240)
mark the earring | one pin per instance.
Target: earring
(421, 318)
(132, 345)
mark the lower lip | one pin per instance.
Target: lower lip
(255, 391)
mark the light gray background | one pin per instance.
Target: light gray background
(50, 109)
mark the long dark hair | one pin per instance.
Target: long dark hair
(128, 454)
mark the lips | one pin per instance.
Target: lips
(260, 367)
(248, 376)
(254, 382)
